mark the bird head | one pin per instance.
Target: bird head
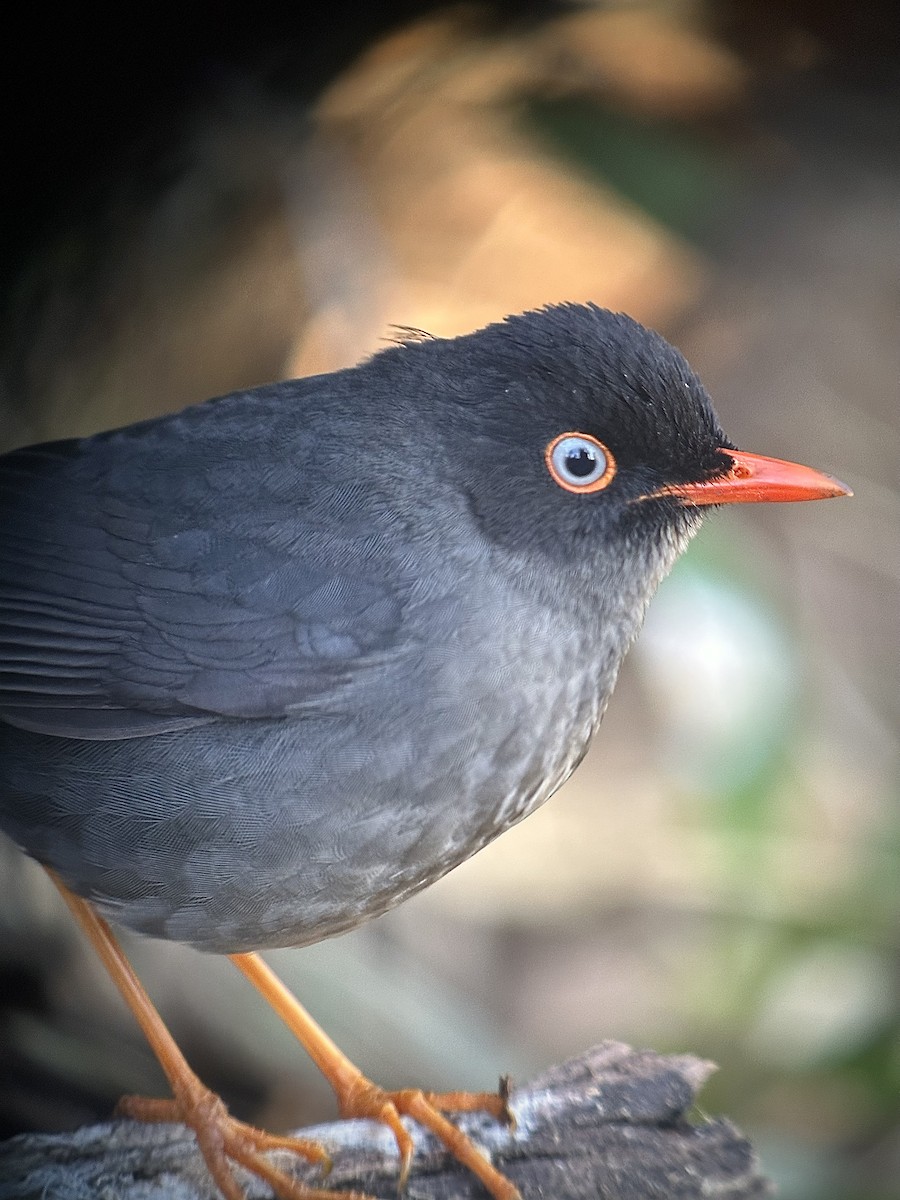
(582, 446)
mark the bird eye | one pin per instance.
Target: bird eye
(579, 462)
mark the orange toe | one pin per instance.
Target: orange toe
(365, 1099)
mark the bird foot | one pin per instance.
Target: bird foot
(361, 1097)
(358, 1096)
(223, 1140)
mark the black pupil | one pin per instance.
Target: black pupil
(581, 463)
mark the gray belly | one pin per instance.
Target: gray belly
(243, 835)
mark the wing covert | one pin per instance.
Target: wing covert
(137, 594)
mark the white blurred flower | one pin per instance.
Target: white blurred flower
(720, 671)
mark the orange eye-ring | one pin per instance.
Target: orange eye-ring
(579, 463)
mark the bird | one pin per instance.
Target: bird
(274, 663)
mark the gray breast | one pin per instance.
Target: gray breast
(242, 835)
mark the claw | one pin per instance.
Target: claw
(362, 1098)
(224, 1140)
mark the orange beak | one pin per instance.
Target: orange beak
(754, 479)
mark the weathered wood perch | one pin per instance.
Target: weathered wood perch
(611, 1123)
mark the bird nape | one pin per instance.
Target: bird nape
(273, 664)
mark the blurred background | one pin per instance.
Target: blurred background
(196, 207)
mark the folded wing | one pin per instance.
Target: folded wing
(168, 575)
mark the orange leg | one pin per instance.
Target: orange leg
(358, 1097)
(222, 1139)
